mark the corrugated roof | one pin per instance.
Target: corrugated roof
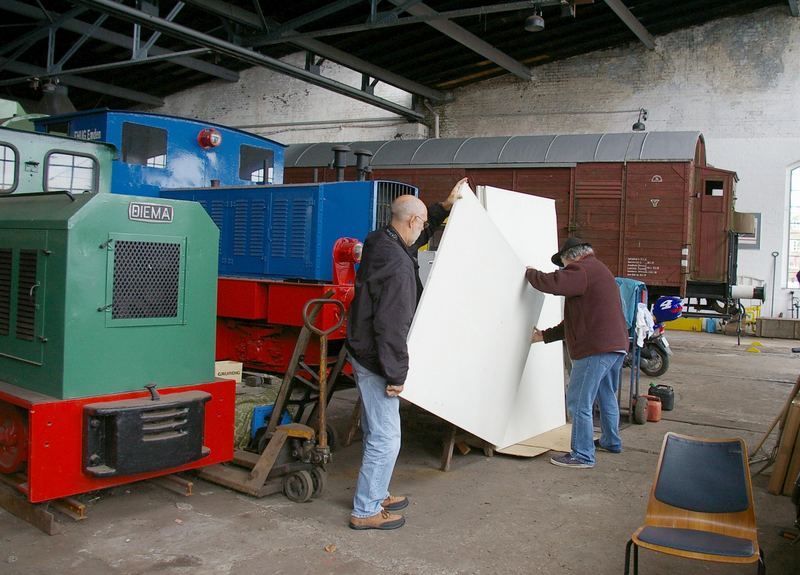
(554, 149)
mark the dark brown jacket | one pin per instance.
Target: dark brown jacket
(593, 320)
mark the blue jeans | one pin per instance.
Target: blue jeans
(380, 423)
(596, 376)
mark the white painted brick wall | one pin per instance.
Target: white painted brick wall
(261, 99)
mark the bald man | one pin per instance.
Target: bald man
(386, 294)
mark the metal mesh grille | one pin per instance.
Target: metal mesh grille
(146, 280)
(5, 290)
(387, 192)
(26, 298)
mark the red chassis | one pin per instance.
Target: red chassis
(258, 321)
(54, 438)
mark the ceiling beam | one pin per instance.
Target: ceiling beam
(85, 84)
(121, 40)
(245, 55)
(632, 22)
(793, 8)
(101, 67)
(388, 22)
(327, 51)
(469, 40)
(312, 16)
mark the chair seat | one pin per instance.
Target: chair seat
(697, 541)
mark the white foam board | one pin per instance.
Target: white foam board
(529, 225)
(469, 342)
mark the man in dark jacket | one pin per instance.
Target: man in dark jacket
(597, 340)
(387, 290)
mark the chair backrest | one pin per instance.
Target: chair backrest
(703, 484)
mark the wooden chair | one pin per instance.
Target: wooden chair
(700, 505)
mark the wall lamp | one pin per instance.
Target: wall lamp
(639, 125)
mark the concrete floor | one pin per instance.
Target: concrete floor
(487, 515)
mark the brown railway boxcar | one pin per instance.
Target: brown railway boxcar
(647, 201)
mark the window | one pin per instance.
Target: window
(714, 188)
(58, 128)
(8, 169)
(794, 229)
(70, 172)
(253, 163)
(144, 145)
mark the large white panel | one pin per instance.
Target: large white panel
(470, 360)
(470, 338)
(529, 225)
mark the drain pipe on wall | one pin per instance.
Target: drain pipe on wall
(427, 104)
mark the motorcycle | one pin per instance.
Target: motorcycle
(656, 351)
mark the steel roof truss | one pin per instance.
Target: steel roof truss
(86, 84)
(224, 47)
(327, 51)
(103, 35)
(632, 22)
(469, 40)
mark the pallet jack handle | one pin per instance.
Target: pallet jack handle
(323, 360)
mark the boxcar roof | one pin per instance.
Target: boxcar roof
(565, 149)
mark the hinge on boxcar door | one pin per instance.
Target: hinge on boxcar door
(572, 227)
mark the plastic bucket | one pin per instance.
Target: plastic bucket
(653, 408)
(665, 394)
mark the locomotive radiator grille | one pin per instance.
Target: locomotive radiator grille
(258, 210)
(301, 228)
(280, 228)
(146, 280)
(387, 192)
(26, 300)
(5, 290)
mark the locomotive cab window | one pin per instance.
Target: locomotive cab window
(715, 188)
(8, 169)
(255, 165)
(144, 145)
(73, 173)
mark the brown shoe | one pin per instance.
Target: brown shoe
(393, 503)
(381, 520)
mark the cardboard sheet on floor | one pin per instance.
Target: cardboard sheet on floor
(469, 343)
(557, 439)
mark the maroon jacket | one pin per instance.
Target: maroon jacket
(593, 319)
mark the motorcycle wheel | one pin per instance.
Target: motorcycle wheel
(655, 365)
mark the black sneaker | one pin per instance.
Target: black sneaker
(599, 447)
(567, 460)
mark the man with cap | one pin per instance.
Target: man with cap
(597, 339)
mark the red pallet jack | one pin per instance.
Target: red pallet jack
(291, 458)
